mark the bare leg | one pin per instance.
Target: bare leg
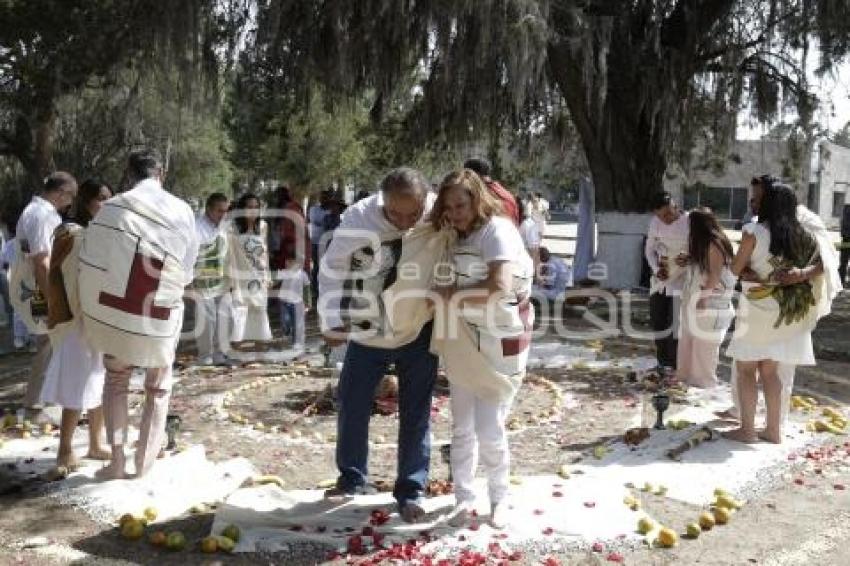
(769, 372)
(115, 415)
(65, 456)
(748, 396)
(96, 450)
(152, 428)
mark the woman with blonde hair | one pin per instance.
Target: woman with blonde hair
(483, 328)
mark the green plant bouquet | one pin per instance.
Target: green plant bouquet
(794, 300)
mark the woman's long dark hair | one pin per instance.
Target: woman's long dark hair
(705, 231)
(778, 212)
(239, 213)
(88, 191)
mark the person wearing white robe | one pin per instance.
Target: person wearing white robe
(824, 277)
(138, 256)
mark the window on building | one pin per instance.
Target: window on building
(837, 204)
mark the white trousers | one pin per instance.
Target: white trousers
(212, 327)
(478, 432)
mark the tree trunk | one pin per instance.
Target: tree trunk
(44, 135)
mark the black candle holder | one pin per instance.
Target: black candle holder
(172, 427)
(660, 401)
(326, 352)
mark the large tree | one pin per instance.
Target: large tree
(635, 74)
(50, 49)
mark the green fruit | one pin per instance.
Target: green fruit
(693, 530)
(175, 541)
(231, 532)
(645, 525)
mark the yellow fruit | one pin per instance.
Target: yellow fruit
(564, 471)
(225, 543)
(661, 490)
(231, 532)
(667, 537)
(832, 413)
(629, 500)
(209, 545)
(728, 502)
(721, 515)
(132, 530)
(175, 541)
(635, 506)
(150, 514)
(719, 491)
(706, 521)
(647, 487)
(693, 530)
(157, 538)
(645, 524)
(124, 518)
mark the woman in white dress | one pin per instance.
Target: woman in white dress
(706, 310)
(248, 271)
(488, 309)
(774, 323)
(74, 378)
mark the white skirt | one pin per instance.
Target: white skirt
(251, 323)
(74, 378)
(756, 339)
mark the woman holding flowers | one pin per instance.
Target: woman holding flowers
(774, 322)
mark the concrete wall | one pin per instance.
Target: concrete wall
(833, 175)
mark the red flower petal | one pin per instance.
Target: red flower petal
(798, 481)
(598, 547)
(589, 504)
(839, 487)
(557, 494)
(548, 531)
(538, 511)
(614, 557)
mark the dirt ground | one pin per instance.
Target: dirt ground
(797, 522)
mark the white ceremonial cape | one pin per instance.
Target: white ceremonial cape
(133, 272)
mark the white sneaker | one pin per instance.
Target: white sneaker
(499, 515)
(205, 361)
(461, 514)
(19, 343)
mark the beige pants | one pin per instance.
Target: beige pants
(115, 412)
(39, 368)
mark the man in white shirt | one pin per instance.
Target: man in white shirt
(209, 287)
(666, 252)
(34, 233)
(361, 262)
(137, 258)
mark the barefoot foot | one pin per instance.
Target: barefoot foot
(67, 461)
(773, 437)
(99, 454)
(741, 435)
(727, 415)
(111, 472)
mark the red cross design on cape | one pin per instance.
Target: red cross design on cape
(513, 346)
(142, 283)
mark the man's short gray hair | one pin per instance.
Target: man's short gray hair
(143, 164)
(405, 180)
